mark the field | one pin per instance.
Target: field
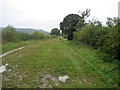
(10, 46)
(40, 64)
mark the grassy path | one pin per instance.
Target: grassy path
(41, 63)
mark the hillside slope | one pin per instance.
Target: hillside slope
(29, 30)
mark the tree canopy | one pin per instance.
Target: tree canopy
(55, 31)
(69, 21)
(73, 22)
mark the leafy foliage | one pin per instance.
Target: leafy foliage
(100, 37)
(9, 34)
(70, 33)
(73, 22)
(38, 35)
(83, 16)
(55, 31)
(24, 36)
(112, 42)
(69, 22)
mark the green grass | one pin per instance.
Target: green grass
(10, 46)
(31, 66)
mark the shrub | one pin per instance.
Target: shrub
(24, 36)
(53, 36)
(111, 45)
(100, 37)
(38, 35)
(9, 34)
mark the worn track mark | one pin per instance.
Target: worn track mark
(11, 52)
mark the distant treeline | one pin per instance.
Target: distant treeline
(106, 38)
(9, 34)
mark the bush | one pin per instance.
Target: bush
(111, 45)
(38, 35)
(91, 35)
(53, 36)
(100, 37)
(24, 36)
(9, 34)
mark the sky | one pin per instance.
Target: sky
(119, 9)
(47, 14)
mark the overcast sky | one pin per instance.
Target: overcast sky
(47, 14)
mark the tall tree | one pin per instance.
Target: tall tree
(74, 22)
(83, 16)
(68, 23)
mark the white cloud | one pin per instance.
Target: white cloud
(47, 14)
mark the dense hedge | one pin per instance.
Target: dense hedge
(104, 38)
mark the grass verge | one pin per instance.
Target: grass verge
(11, 46)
